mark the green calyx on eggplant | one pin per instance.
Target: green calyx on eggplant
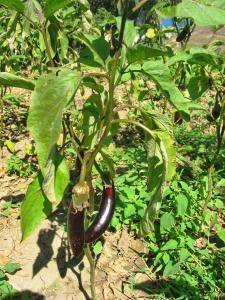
(104, 216)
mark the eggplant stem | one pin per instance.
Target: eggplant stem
(91, 260)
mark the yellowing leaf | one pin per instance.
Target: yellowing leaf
(10, 145)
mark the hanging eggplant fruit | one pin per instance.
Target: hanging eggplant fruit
(76, 214)
(104, 216)
(75, 225)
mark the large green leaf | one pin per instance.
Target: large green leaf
(53, 5)
(157, 174)
(52, 94)
(171, 269)
(8, 79)
(62, 177)
(167, 222)
(91, 120)
(91, 83)
(142, 52)
(130, 31)
(56, 178)
(161, 157)
(35, 207)
(203, 12)
(13, 4)
(98, 47)
(160, 73)
(33, 11)
(195, 55)
(197, 86)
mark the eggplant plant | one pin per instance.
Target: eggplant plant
(61, 114)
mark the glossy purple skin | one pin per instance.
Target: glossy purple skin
(75, 225)
(104, 216)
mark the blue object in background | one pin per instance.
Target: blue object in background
(167, 22)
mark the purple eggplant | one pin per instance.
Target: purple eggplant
(104, 216)
(75, 225)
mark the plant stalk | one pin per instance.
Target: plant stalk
(212, 164)
(91, 260)
(43, 32)
(135, 123)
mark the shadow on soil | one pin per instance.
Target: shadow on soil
(13, 198)
(64, 259)
(25, 295)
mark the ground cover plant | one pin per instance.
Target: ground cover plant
(124, 108)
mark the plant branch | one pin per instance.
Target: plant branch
(95, 74)
(91, 260)
(212, 164)
(138, 6)
(135, 123)
(74, 140)
(43, 32)
(123, 25)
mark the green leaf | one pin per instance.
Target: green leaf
(53, 92)
(53, 5)
(115, 222)
(92, 84)
(221, 183)
(171, 269)
(6, 289)
(171, 150)
(129, 211)
(99, 49)
(56, 178)
(195, 55)
(109, 162)
(170, 245)
(64, 45)
(167, 222)
(98, 248)
(219, 204)
(8, 79)
(142, 52)
(11, 268)
(62, 177)
(33, 11)
(130, 31)
(197, 86)
(35, 207)
(182, 204)
(157, 174)
(221, 235)
(184, 254)
(13, 4)
(204, 13)
(92, 112)
(6, 212)
(2, 275)
(10, 145)
(160, 73)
